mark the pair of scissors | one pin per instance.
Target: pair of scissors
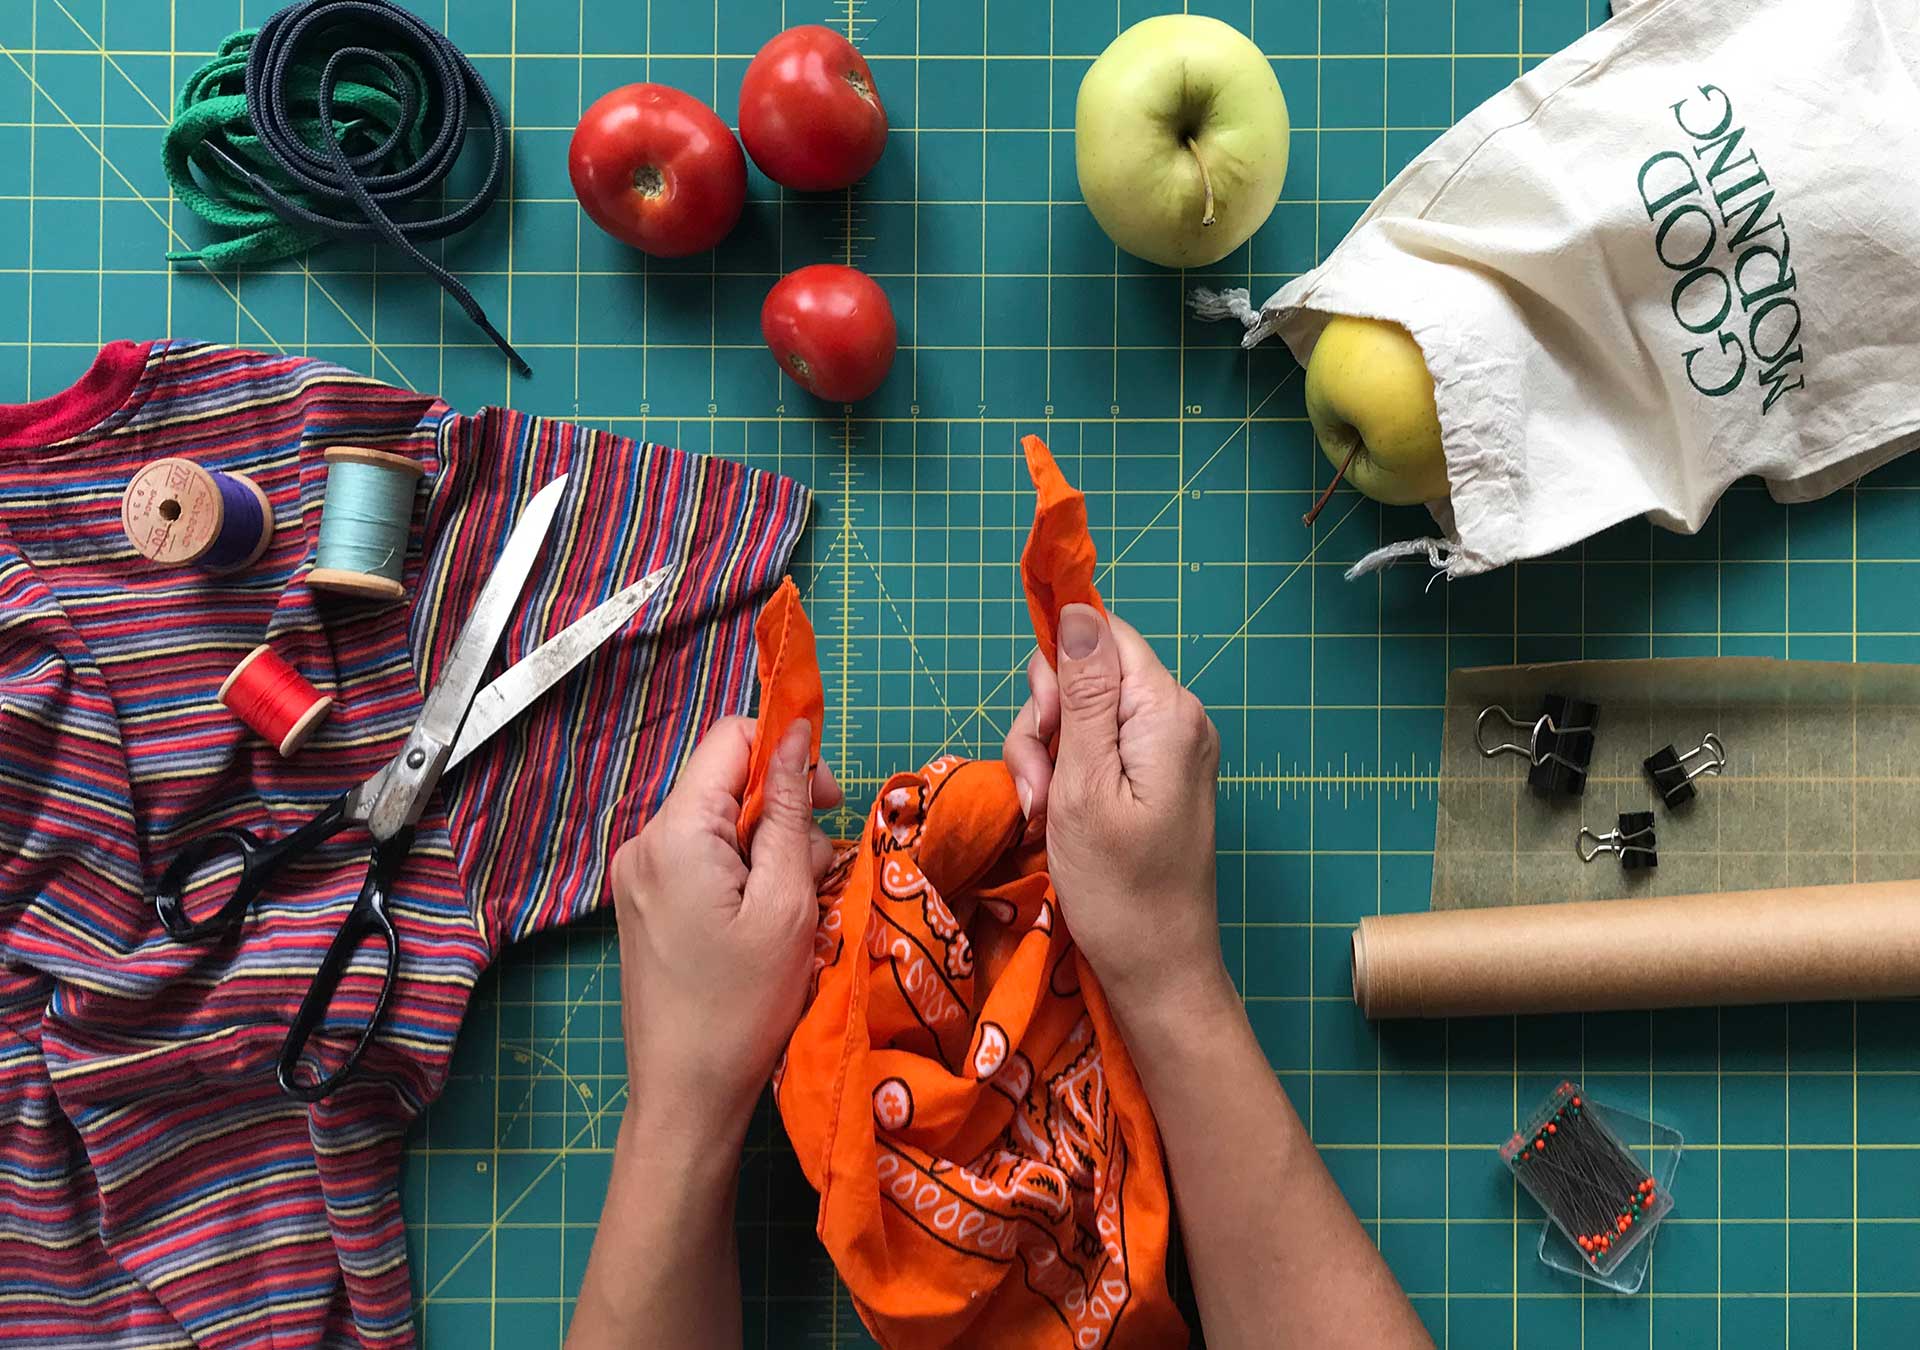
(457, 717)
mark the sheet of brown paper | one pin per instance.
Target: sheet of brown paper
(1822, 783)
(1859, 941)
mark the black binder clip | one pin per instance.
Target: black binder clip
(1632, 840)
(1559, 744)
(1671, 777)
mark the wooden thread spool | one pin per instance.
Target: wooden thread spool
(274, 699)
(364, 525)
(174, 511)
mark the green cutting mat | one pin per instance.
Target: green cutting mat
(1797, 1220)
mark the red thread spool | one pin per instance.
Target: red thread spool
(274, 699)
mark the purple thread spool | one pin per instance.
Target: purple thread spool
(174, 511)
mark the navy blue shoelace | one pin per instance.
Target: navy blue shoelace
(343, 177)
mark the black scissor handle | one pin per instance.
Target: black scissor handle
(367, 918)
(258, 863)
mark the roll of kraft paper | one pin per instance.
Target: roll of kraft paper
(1796, 944)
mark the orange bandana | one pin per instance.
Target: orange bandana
(789, 690)
(957, 1091)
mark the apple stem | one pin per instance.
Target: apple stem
(1206, 181)
(1313, 512)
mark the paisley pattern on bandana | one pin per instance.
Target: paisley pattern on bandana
(957, 1090)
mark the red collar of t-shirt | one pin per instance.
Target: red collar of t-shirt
(108, 383)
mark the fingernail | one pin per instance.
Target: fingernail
(1080, 631)
(790, 756)
(1026, 798)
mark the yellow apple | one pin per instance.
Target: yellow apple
(1180, 139)
(1370, 400)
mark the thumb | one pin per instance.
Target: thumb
(782, 841)
(1089, 677)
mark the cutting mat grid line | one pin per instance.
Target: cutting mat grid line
(1797, 1213)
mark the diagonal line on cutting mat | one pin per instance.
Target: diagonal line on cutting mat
(845, 540)
(79, 131)
(504, 1212)
(1106, 570)
(1254, 613)
(1194, 477)
(577, 1085)
(1280, 585)
(953, 718)
(814, 589)
(491, 1229)
(300, 262)
(559, 1038)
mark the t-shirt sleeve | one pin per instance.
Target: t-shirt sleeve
(66, 837)
(537, 813)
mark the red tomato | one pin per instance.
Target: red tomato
(809, 112)
(831, 328)
(655, 168)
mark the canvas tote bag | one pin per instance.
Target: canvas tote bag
(1683, 250)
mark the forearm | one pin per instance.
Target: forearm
(1277, 1257)
(664, 1269)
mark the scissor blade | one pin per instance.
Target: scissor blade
(549, 663)
(447, 705)
(397, 793)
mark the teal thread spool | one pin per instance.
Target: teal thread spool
(364, 523)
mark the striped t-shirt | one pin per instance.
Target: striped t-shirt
(156, 1187)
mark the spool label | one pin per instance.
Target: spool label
(172, 511)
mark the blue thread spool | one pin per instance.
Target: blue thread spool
(362, 549)
(174, 511)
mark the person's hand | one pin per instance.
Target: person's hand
(1127, 803)
(715, 948)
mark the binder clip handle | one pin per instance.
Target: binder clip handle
(1558, 746)
(1632, 840)
(1670, 772)
(1711, 748)
(1533, 728)
(1540, 732)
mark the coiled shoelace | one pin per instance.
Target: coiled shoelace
(337, 119)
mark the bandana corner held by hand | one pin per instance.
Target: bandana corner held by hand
(789, 690)
(956, 1090)
(1057, 564)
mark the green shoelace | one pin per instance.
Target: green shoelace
(335, 119)
(210, 117)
